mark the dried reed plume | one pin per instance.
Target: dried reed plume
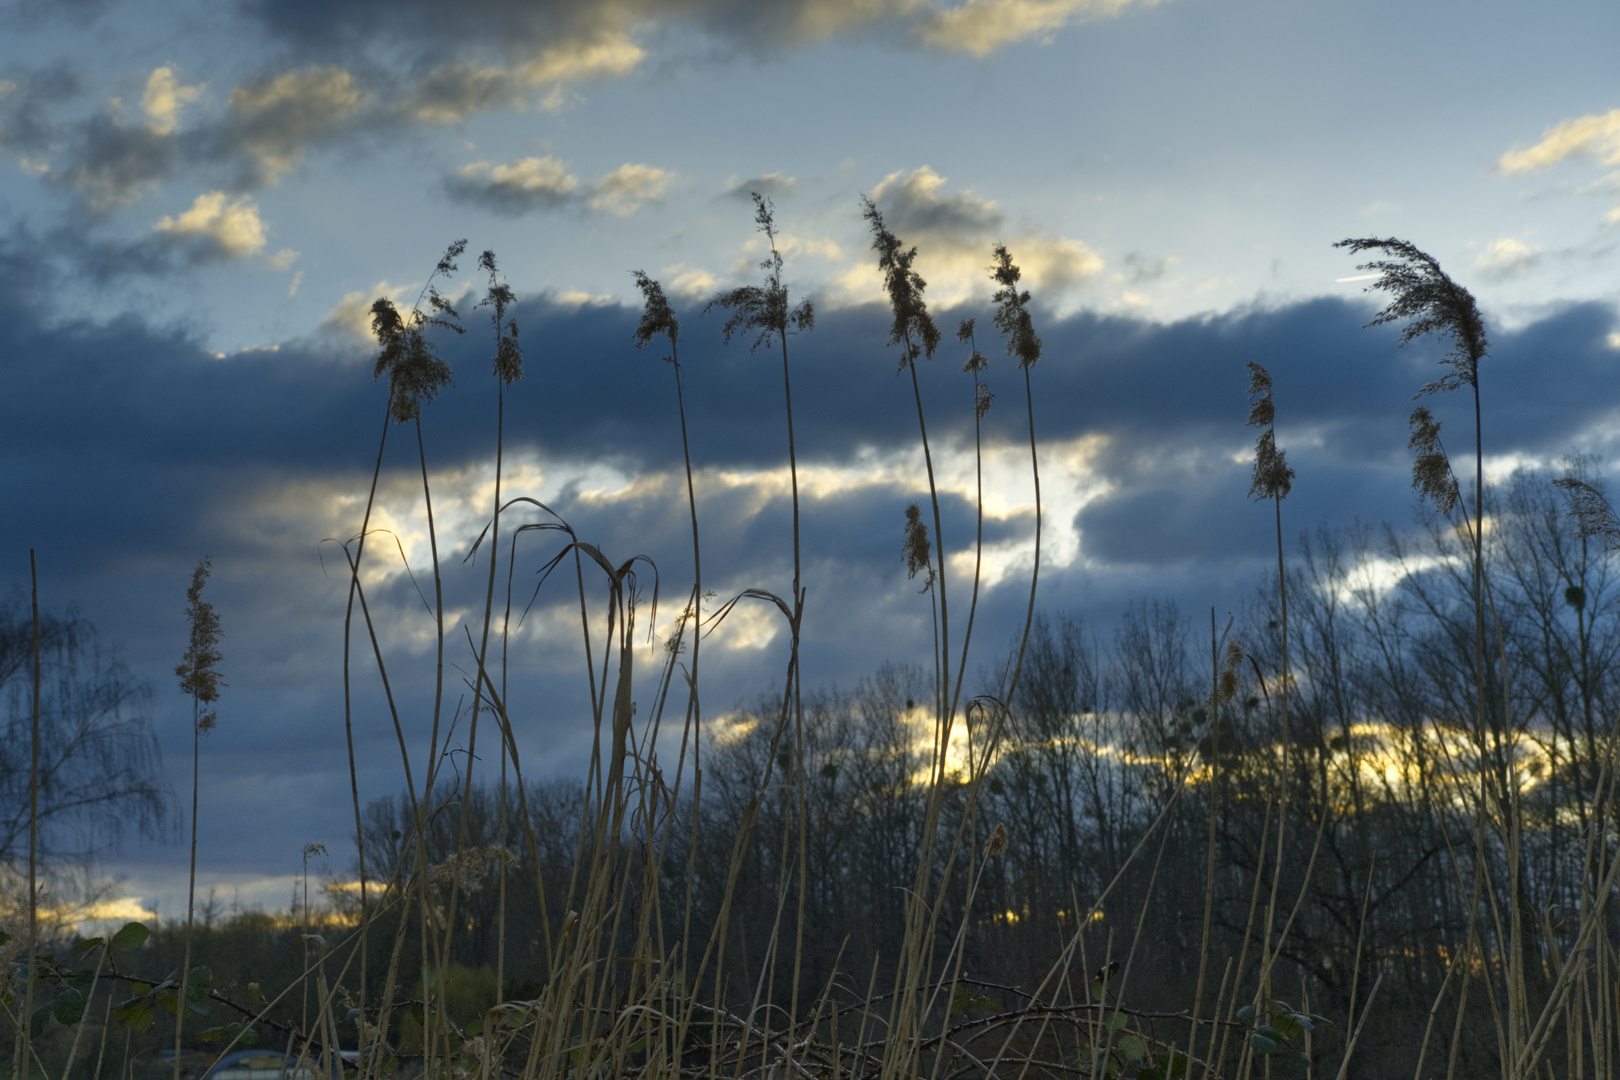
(200, 680)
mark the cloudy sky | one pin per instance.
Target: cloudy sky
(198, 201)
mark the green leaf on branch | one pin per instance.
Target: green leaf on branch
(1132, 1047)
(1117, 1021)
(1165, 1067)
(197, 987)
(135, 1014)
(86, 945)
(131, 937)
(36, 1023)
(68, 1006)
(1262, 1044)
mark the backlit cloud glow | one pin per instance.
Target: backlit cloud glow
(217, 227)
(165, 98)
(981, 27)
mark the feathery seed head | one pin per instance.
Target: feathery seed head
(467, 871)
(447, 265)
(657, 317)
(1432, 477)
(982, 397)
(199, 666)
(1012, 309)
(976, 362)
(1226, 683)
(415, 372)
(508, 362)
(763, 308)
(917, 548)
(1261, 410)
(1593, 516)
(1259, 380)
(997, 843)
(1423, 293)
(912, 323)
(1272, 478)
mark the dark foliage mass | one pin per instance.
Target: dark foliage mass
(100, 776)
(1109, 775)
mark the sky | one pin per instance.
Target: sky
(199, 202)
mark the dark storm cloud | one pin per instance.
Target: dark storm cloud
(110, 163)
(771, 185)
(274, 119)
(517, 24)
(918, 206)
(26, 101)
(1167, 399)
(530, 185)
(115, 156)
(131, 450)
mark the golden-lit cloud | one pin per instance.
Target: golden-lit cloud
(275, 119)
(123, 908)
(351, 316)
(627, 188)
(954, 232)
(604, 57)
(981, 27)
(452, 92)
(217, 227)
(690, 282)
(165, 98)
(545, 183)
(531, 183)
(1596, 135)
(1507, 256)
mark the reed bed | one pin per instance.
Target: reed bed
(673, 940)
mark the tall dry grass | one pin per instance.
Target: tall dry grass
(638, 982)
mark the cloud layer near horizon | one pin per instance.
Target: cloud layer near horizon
(134, 449)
